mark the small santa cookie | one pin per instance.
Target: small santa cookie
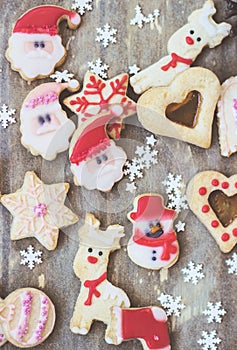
(183, 110)
(3, 338)
(148, 324)
(27, 317)
(38, 210)
(45, 127)
(183, 47)
(227, 117)
(35, 48)
(97, 294)
(213, 198)
(153, 244)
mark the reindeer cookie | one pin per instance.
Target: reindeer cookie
(183, 47)
(35, 48)
(27, 317)
(153, 244)
(97, 294)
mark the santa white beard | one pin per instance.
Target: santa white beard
(46, 142)
(101, 177)
(37, 62)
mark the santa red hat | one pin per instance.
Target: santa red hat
(45, 20)
(151, 207)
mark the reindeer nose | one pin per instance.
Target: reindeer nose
(189, 40)
(92, 259)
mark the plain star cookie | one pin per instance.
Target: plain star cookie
(38, 210)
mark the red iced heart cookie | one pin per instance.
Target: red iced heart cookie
(213, 198)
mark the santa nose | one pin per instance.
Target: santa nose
(92, 259)
(189, 40)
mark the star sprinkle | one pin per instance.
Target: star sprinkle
(6, 116)
(131, 187)
(151, 140)
(38, 210)
(133, 69)
(180, 226)
(31, 257)
(214, 312)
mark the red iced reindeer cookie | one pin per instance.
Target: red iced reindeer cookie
(45, 127)
(35, 47)
(97, 294)
(148, 324)
(27, 317)
(153, 244)
(183, 47)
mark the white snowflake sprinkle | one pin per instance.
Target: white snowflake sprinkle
(214, 312)
(6, 116)
(149, 158)
(30, 257)
(106, 35)
(180, 226)
(232, 263)
(131, 187)
(132, 170)
(82, 6)
(151, 140)
(175, 190)
(209, 340)
(62, 76)
(99, 68)
(133, 69)
(177, 202)
(172, 304)
(193, 273)
(140, 18)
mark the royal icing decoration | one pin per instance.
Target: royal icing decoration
(227, 117)
(153, 244)
(213, 198)
(27, 317)
(35, 47)
(38, 210)
(97, 294)
(45, 127)
(183, 48)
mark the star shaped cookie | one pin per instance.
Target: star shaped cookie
(38, 210)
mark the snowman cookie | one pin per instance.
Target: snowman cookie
(27, 317)
(153, 244)
(183, 47)
(35, 48)
(45, 127)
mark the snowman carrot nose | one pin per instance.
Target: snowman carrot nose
(189, 40)
(154, 229)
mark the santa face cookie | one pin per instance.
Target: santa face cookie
(183, 110)
(213, 198)
(183, 47)
(227, 117)
(45, 127)
(27, 317)
(35, 48)
(153, 244)
(38, 210)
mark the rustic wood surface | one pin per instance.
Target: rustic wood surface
(143, 47)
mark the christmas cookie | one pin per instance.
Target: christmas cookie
(38, 210)
(45, 127)
(148, 324)
(183, 47)
(183, 110)
(227, 117)
(3, 338)
(213, 198)
(35, 47)
(97, 295)
(153, 244)
(27, 317)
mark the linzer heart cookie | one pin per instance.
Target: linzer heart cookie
(227, 117)
(213, 198)
(183, 110)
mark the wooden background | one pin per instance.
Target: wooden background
(143, 47)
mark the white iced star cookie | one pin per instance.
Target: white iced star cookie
(38, 210)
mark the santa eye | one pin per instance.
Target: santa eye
(42, 44)
(90, 250)
(100, 253)
(191, 32)
(98, 160)
(104, 157)
(199, 39)
(41, 120)
(36, 44)
(48, 118)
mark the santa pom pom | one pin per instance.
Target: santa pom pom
(75, 18)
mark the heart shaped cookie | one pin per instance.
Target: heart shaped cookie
(227, 117)
(184, 109)
(213, 198)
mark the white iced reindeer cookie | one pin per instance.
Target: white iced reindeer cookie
(45, 127)
(183, 47)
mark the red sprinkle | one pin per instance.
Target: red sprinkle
(236, 185)
(215, 182)
(202, 191)
(215, 223)
(234, 232)
(225, 237)
(225, 185)
(205, 209)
